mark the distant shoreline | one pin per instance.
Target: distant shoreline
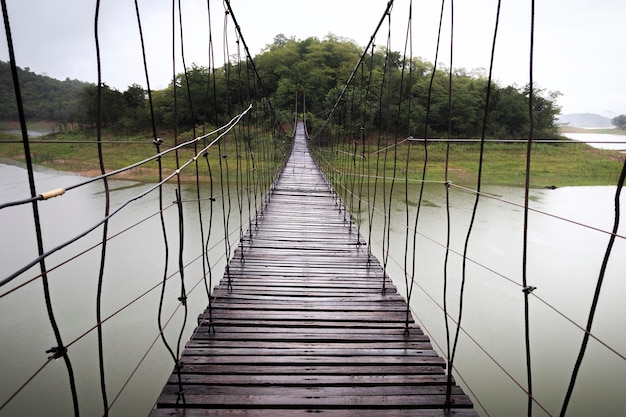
(608, 130)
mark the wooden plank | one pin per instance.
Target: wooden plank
(319, 370)
(307, 412)
(317, 401)
(194, 343)
(305, 387)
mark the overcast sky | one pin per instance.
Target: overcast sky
(579, 43)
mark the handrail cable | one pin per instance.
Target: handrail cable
(521, 141)
(450, 184)
(158, 156)
(137, 197)
(112, 315)
(89, 249)
(510, 280)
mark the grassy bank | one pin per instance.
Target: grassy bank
(566, 164)
(77, 152)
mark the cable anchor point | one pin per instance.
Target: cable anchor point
(527, 290)
(57, 352)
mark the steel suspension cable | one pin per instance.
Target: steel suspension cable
(526, 288)
(509, 280)
(224, 169)
(58, 351)
(448, 214)
(386, 225)
(408, 45)
(105, 225)
(598, 290)
(477, 199)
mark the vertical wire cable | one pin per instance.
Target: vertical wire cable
(360, 139)
(448, 214)
(223, 157)
(247, 138)
(476, 201)
(386, 213)
(157, 143)
(59, 351)
(409, 284)
(355, 143)
(145, 69)
(371, 194)
(196, 163)
(183, 295)
(365, 131)
(596, 295)
(105, 225)
(251, 179)
(526, 289)
(181, 245)
(211, 77)
(238, 154)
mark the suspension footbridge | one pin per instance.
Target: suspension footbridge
(371, 270)
(305, 320)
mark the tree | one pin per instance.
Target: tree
(113, 106)
(619, 121)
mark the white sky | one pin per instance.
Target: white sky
(579, 44)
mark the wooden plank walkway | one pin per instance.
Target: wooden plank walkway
(306, 328)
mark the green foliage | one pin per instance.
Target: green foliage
(44, 98)
(619, 121)
(387, 94)
(388, 84)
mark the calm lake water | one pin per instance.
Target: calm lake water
(600, 140)
(563, 263)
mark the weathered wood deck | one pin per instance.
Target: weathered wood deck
(306, 328)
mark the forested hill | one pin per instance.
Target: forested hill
(44, 98)
(317, 67)
(321, 67)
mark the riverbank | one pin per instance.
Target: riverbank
(552, 165)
